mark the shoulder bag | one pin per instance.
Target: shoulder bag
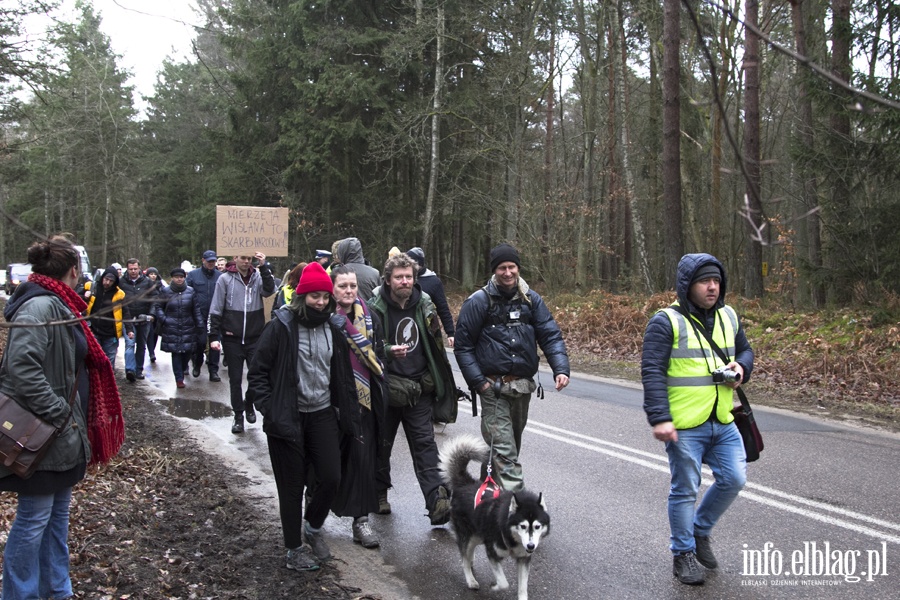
(25, 438)
(743, 415)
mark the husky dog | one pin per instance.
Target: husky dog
(507, 523)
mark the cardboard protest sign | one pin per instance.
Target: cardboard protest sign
(246, 230)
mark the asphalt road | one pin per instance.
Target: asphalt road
(818, 518)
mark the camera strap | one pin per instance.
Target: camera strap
(717, 350)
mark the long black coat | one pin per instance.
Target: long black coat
(179, 318)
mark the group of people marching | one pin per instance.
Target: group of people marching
(349, 355)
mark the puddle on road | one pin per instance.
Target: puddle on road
(195, 409)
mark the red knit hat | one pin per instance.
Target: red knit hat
(314, 279)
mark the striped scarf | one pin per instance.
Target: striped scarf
(363, 358)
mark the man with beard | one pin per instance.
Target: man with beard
(419, 376)
(236, 320)
(107, 313)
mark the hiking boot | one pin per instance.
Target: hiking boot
(687, 570)
(440, 512)
(300, 559)
(153, 358)
(249, 413)
(384, 507)
(704, 552)
(316, 541)
(363, 533)
(214, 377)
(238, 426)
(195, 372)
(129, 375)
(140, 375)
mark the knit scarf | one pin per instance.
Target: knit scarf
(106, 427)
(363, 358)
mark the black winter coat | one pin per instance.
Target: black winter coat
(272, 378)
(179, 319)
(488, 342)
(659, 335)
(139, 294)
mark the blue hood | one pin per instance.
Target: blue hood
(687, 266)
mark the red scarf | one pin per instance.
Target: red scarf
(106, 427)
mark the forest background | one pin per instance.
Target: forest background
(604, 139)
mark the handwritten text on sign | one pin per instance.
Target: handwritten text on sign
(246, 230)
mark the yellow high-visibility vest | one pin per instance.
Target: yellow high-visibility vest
(692, 393)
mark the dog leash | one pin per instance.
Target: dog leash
(488, 486)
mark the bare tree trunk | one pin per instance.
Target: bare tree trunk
(840, 120)
(625, 149)
(753, 283)
(546, 259)
(435, 130)
(671, 153)
(809, 212)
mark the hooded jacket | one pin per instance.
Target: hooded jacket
(349, 253)
(236, 312)
(272, 378)
(659, 336)
(112, 297)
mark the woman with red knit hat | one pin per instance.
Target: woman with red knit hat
(301, 381)
(44, 367)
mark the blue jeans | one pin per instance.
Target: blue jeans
(110, 347)
(719, 446)
(36, 560)
(136, 348)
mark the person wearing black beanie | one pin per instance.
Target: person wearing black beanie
(497, 336)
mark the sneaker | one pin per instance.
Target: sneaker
(363, 533)
(180, 385)
(214, 377)
(686, 569)
(316, 541)
(300, 559)
(195, 372)
(129, 375)
(440, 512)
(704, 552)
(249, 413)
(384, 507)
(238, 426)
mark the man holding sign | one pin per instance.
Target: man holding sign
(236, 320)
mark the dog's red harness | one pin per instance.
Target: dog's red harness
(489, 486)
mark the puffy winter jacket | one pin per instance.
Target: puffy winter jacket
(500, 336)
(659, 336)
(179, 319)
